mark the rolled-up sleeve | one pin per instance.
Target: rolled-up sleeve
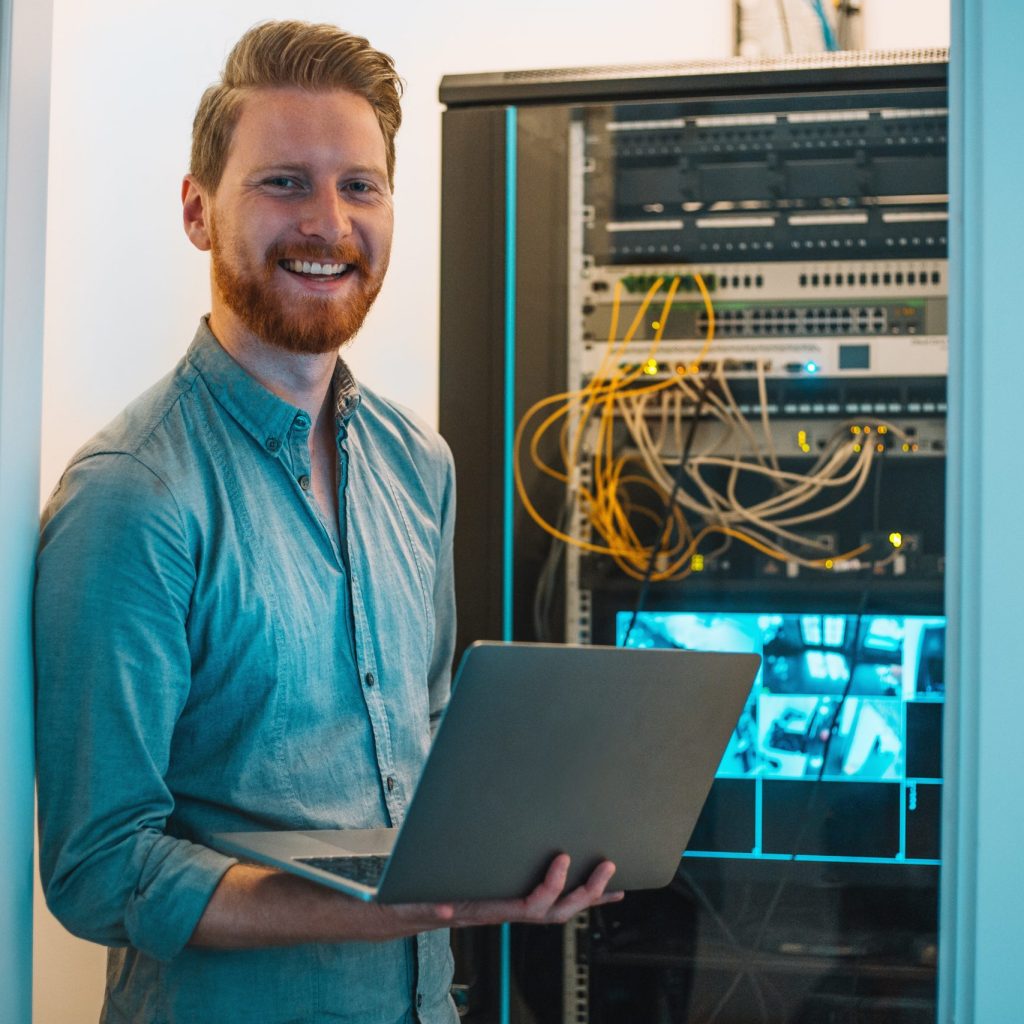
(115, 575)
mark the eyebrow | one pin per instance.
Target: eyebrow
(367, 170)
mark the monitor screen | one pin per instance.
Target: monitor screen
(837, 754)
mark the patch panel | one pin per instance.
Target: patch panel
(782, 181)
(806, 280)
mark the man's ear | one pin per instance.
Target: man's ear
(195, 213)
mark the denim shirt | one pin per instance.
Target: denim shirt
(209, 660)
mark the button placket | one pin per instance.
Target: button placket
(300, 450)
(369, 674)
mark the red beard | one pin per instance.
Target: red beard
(317, 324)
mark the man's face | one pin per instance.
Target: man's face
(300, 225)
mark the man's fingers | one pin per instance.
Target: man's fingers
(547, 893)
(549, 903)
(590, 894)
(600, 877)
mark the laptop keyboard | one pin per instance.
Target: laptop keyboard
(366, 870)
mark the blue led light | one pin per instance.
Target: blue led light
(511, 138)
(811, 366)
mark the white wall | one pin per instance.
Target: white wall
(124, 287)
(900, 23)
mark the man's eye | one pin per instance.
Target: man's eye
(282, 182)
(358, 186)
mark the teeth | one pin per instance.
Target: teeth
(321, 269)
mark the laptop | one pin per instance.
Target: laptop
(598, 752)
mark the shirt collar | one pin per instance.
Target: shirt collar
(346, 392)
(260, 412)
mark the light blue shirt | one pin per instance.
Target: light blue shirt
(208, 660)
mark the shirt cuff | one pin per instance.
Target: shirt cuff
(175, 885)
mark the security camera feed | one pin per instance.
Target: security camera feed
(837, 753)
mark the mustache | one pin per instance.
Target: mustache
(314, 253)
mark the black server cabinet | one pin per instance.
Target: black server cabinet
(809, 194)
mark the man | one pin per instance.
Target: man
(244, 603)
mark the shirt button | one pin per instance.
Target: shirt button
(273, 444)
(391, 783)
(304, 482)
(369, 679)
(419, 1000)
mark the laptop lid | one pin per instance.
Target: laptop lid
(598, 752)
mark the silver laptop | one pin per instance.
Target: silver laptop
(598, 752)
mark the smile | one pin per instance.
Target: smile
(314, 269)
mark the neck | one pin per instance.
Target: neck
(301, 380)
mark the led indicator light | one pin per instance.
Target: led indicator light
(697, 563)
(896, 539)
(651, 367)
(656, 325)
(858, 448)
(811, 366)
(829, 563)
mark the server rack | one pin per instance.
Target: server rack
(799, 206)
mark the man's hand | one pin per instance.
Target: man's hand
(549, 903)
(256, 906)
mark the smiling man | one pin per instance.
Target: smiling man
(244, 606)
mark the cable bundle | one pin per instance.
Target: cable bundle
(653, 415)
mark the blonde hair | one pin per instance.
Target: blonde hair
(296, 54)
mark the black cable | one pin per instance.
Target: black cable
(730, 938)
(849, 11)
(783, 882)
(544, 592)
(669, 508)
(833, 724)
(787, 39)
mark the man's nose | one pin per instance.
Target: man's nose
(325, 215)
